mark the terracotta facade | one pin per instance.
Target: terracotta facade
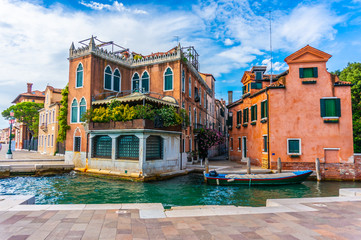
(295, 127)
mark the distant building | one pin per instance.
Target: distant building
(48, 121)
(4, 135)
(96, 74)
(304, 114)
(22, 134)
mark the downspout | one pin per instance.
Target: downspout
(181, 138)
(268, 136)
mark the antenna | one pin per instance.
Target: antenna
(270, 42)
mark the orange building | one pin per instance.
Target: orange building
(22, 134)
(96, 73)
(48, 121)
(304, 114)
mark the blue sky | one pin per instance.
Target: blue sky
(230, 35)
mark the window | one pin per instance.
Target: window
(195, 116)
(168, 80)
(205, 99)
(239, 144)
(154, 148)
(183, 82)
(108, 78)
(102, 147)
(116, 80)
(50, 117)
(264, 109)
(258, 75)
(128, 147)
(309, 72)
(74, 111)
(52, 140)
(254, 113)
(244, 149)
(231, 144)
(183, 145)
(135, 82)
(255, 85)
(200, 96)
(190, 86)
(190, 145)
(145, 82)
(239, 117)
(82, 108)
(183, 104)
(79, 76)
(77, 141)
(294, 146)
(48, 140)
(265, 144)
(190, 115)
(53, 116)
(245, 115)
(330, 107)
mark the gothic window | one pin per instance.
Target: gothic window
(82, 108)
(135, 82)
(168, 79)
(79, 76)
(145, 82)
(116, 80)
(108, 78)
(74, 111)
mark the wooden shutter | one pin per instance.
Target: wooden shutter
(338, 107)
(315, 72)
(255, 112)
(301, 72)
(323, 107)
(237, 117)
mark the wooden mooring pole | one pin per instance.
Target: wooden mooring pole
(206, 163)
(318, 171)
(248, 166)
(279, 165)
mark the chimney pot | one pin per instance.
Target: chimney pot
(30, 86)
(230, 97)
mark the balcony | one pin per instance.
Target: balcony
(44, 127)
(133, 124)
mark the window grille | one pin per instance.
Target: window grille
(102, 147)
(77, 141)
(128, 147)
(154, 148)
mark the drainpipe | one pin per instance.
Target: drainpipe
(268, 136)
(181, 138)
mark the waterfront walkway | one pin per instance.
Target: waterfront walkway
(300, 218)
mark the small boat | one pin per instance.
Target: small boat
(215, 178)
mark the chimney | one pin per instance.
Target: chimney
(30, 86)
(230, 97)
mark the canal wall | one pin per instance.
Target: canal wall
(329, 171)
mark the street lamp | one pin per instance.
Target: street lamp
(9, 154)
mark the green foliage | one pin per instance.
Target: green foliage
(26, 113)
(121, 113)
(169, 115)
(337, 72)
(185, 117)
(352, 73)
(144, 112)
(137, 57)
(101, 114)
(63, 115)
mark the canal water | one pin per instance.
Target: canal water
(74, 188)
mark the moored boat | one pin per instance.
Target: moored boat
(215, 178)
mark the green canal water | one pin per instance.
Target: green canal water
(186, 190)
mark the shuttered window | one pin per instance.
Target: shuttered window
(154, 148)
(294, 146)
(239, 144)
(330, 107)
(254, 113)
(264, 109)
(265, 145)
(255, 85)
(128, 147)
(239, 117)
(309, 72)
(168, 80)
(245, 115)
(102, 147)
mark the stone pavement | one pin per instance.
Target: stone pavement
(334, 218)
(26, 155)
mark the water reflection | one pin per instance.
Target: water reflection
(185, 190)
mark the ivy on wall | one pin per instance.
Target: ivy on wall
(63, 115)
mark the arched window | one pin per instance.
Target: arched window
(74, 111)
(53, 116)
(183, 82)
(168, 79)
(190, 86)
(49, 117)
(190, 115)
(116, 80)
(135, 82)
(145, 82)
(82, 108)
(108, 78)
(79, 75)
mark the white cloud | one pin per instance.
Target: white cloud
(276, 66)
(116, 6)
(228, 42)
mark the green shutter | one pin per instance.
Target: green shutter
(301, 73)
(293, 146)
(315, 72)
(237, 117)
(253, 85)
(255, 109)
(338, 107)
(259, 85)
(322, 105)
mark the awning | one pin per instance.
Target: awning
(136, 97)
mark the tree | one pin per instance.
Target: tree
(352, 73)
(26, 113)
(208, 138)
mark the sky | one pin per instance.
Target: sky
(230, 36)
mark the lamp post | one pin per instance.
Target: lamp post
(9, 154)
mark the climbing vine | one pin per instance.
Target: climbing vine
(63, 115)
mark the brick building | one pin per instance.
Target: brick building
(97, 74)
(304, 114)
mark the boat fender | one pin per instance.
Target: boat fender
(213, 173)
